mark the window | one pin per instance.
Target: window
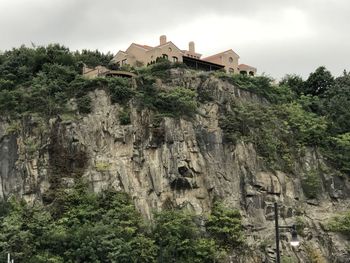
(175, 59)
(123, 62)
(170, 49)
(230, 59)
(165, 56)
(231, 70)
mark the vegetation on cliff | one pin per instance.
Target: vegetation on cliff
(299, 114)
(79, 226)
(86, 227)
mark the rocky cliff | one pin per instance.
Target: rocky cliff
(176, 162)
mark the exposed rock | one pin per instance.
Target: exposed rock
(177, 163)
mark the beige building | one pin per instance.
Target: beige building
(138, 55)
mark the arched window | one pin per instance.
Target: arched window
(243, 72)
(251, 73)
(165, 56)
(175, 59)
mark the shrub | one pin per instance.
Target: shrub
(84, 104)
(177, 101)
(311, 184)
(307, 127)
(337, 151)
(124, 117)
(120, 90)
(225, 226)
(341, 224)
(179, 238)
(102, 166)
(314, 255)
(260, 85)
(174, 102)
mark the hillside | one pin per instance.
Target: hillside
(175, 164)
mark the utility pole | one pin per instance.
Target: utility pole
(294, 241)
(277, 235)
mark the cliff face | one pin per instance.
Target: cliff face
(175, 163)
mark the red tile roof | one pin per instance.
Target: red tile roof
(218, 54)
(144, 46)
(245, 66)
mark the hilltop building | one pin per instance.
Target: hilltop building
(137, 55)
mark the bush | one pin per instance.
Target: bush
(341, 224)
(120, 90)
(225, 226)
(308, 128)
(179, 239)
(279, 131)
(260, 85)
(178, 101)
(84, 104)
(311, 184)
(338, 152)
(124, 117)
(174, 102)
(101, 227)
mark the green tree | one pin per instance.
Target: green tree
(337, 103)
(93, 58)
(294, 82)
(175, 232)
(319, 82)
(225, 226)
(338, 152)
(178, 101)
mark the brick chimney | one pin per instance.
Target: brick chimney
(191, 47)
(162, 39)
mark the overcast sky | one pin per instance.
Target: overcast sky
(276, 36)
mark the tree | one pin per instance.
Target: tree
(294, 82)
(319, 82)
(225, 226)
(175, 232)
(93, 58)
(86, 227)
(337, 104)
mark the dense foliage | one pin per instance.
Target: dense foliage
(78, 226)
(341, 224)
(299, 114)
(45, 80)
(85, 227)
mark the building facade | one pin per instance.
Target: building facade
(139, 55)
